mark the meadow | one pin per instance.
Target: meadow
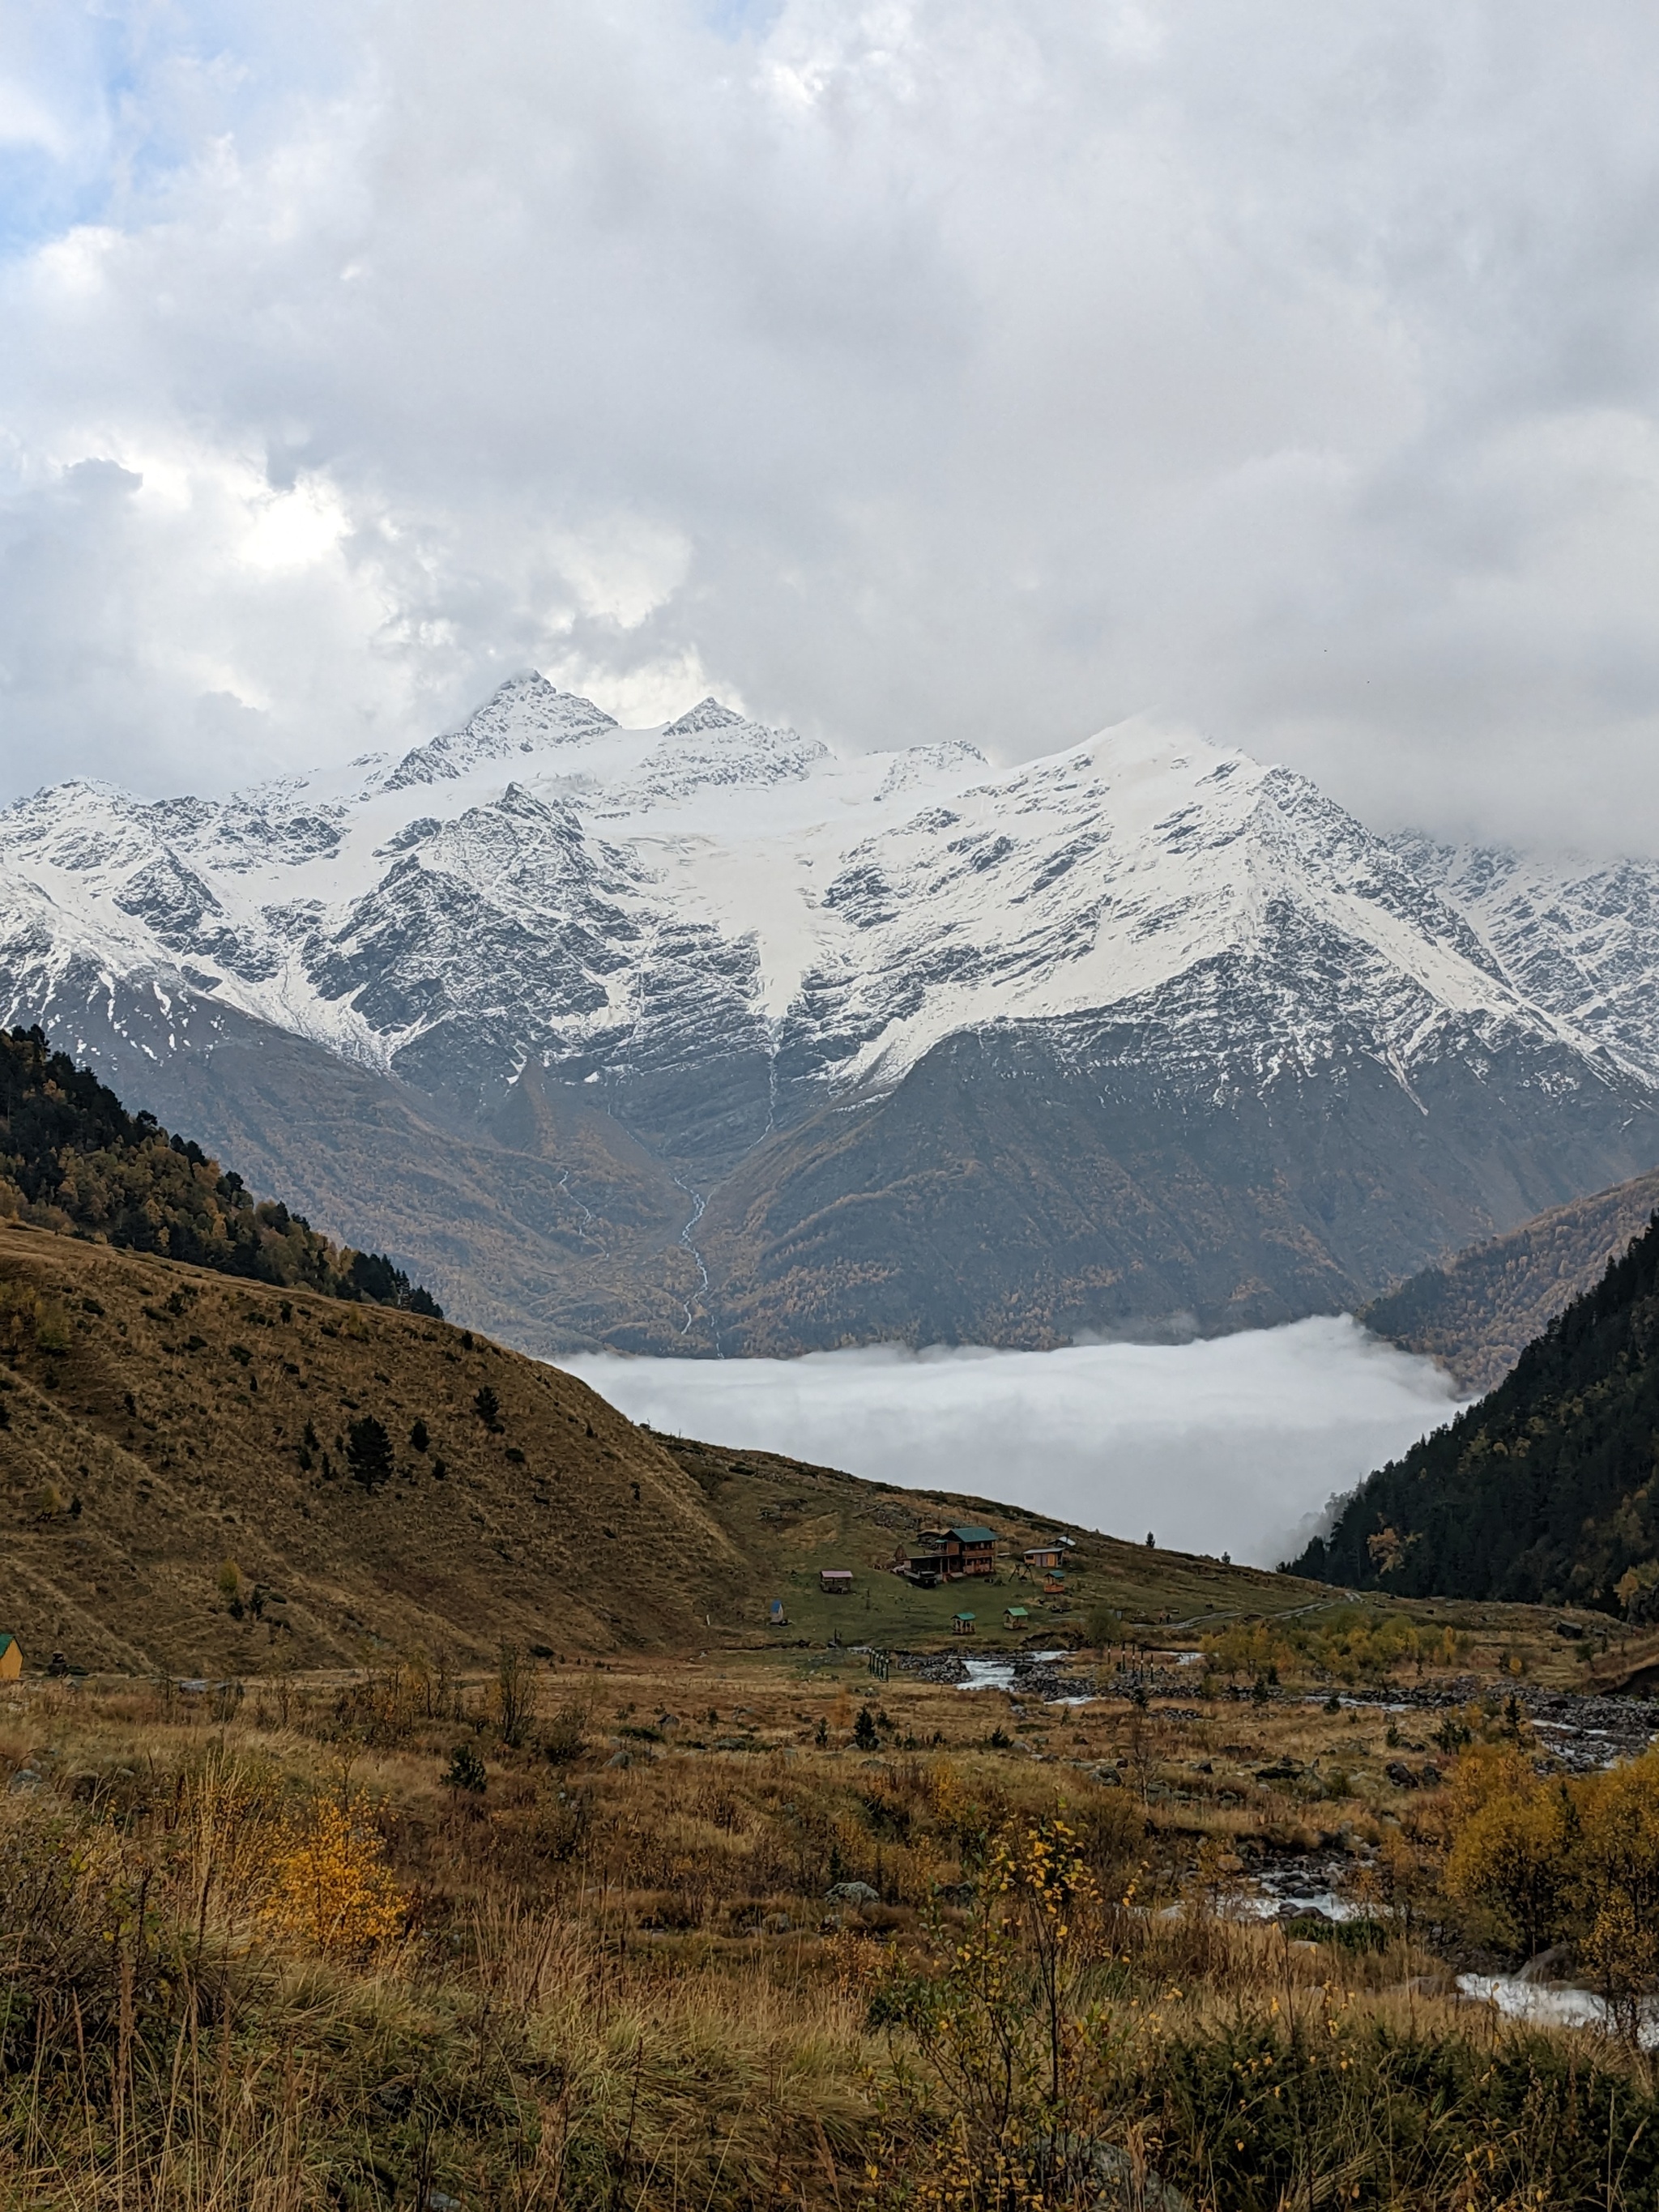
(755, 1928)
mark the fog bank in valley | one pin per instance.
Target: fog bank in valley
(1231, 1443)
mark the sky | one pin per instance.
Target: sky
(901, 369)
(1234, 1444)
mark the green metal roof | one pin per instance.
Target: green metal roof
(1018, 1613)
(972, 1535)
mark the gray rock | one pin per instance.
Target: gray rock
(1082, 2170)
(620, 1759)
(23, 1783)
(852, 1893)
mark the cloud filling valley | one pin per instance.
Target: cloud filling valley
(1233, 1443)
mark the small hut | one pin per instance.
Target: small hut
(962, 1624)
(837, 1581)
(1015, 1616)
(11, 1657)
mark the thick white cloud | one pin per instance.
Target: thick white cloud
(910, 368)
(1233, 1444)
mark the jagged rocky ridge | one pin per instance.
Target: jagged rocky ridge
(704, 1037)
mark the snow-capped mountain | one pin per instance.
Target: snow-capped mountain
(798, 1047)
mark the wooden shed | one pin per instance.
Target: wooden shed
(1015, 1616)
(838, 1581)
(962, 1624)
(11, 1657)
(1043, 1555)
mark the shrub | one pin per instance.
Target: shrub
(465, 1770)
(330, 1887)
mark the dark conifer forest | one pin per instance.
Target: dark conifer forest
(1544, 1490)
(73, 1159)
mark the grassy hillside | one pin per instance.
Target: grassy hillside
(1544, 1490)
(160, 1425)
(157, 1421)
(1478, 1313)
(789, 1519)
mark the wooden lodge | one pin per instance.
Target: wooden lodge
(945, 1555)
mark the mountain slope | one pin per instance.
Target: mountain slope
(1546, 1488)
(1478, 1313)
(154, 1427)
(704, 1037)
(157, 1420)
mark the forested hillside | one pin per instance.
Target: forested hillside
(1478, 1312)
(72, 1158)
(1544, 1490)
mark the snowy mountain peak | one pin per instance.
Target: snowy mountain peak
(543, 883)
(693, 757)
(706, 714)
(524, 715)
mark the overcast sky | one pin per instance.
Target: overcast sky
(995, 368)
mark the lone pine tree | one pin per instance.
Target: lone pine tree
(368, 1453)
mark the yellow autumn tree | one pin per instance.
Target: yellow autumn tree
(1514, 1837)
(330, 1886)
(1617, 1884)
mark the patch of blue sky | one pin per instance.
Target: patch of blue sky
(733, 19)
(100, 108)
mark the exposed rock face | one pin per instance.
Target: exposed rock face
(703, 1037)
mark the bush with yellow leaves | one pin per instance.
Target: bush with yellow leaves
(1549, 1859)
(331, 1886)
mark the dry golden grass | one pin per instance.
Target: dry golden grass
(621, 1984)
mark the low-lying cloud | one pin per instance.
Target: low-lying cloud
(1233, 1444)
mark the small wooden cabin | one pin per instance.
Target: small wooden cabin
(1046, 1556)
(962, 1624)
(11, 1657)
(838, 1581)
(1016, 1616)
